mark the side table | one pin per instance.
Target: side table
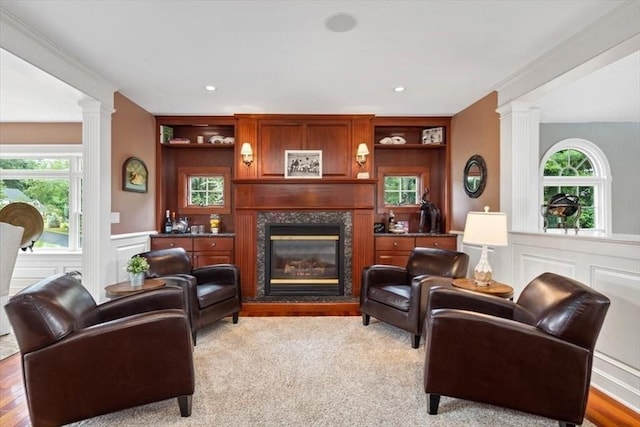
(494, 288)
(125, 288)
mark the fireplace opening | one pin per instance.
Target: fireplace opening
(304, 259)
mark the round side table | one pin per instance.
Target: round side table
(494, 288)
(125, 288)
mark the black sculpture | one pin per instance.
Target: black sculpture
(429, 215)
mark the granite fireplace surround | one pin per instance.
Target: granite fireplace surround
(304, 217)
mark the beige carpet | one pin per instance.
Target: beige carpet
(311, 371)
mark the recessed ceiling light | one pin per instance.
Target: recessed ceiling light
(399, 89)
(210, 88)
(340, 22)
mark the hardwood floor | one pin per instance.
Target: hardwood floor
(602, 410)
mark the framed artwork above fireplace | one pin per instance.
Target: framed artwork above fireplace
(303, 164)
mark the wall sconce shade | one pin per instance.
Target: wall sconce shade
(361, 154)
(486, 229)
(247, 153)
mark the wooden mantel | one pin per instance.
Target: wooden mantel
(255, 195)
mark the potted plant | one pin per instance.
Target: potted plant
(136, 267)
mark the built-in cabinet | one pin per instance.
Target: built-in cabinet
(261, 186)
(395, 249)
(202, 250)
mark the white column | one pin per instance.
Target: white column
(96, 196)
(519, 159)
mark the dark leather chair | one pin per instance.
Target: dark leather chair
(81, 360)
(213, 292)
(398, 295)
(533, 355)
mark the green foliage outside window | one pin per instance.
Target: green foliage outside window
(571, 163)
(206, 191)
(401, 190)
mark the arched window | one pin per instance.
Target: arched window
(577, 166)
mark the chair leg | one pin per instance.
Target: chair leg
(415, 342)
(563, 424)
(194, 337)
(365, 319)
(433, 400)
(235, 317)
(184, 402)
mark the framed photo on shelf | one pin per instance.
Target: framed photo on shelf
(433, 135)
(134, 175)
(303, 164)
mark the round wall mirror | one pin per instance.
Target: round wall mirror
(475, 176)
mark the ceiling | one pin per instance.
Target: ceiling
(279, 57)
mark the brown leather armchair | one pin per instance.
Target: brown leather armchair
(398, 295)
(81, 360)
(213, 292)
(533, 355)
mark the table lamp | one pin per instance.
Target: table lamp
(486, 229)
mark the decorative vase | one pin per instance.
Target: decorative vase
(136, 279)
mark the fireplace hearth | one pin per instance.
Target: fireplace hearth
(309, 289)
(304, 259)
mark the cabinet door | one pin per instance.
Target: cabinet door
(202, 259)
(398, 258)
(172, 242)
(439, 242)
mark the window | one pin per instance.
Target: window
(48, 177)
(204, 190)
(578, 167)
(401, 189)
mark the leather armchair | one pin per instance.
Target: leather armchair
(534, 355)
(213, 292)
(398, 295)
(81, 360)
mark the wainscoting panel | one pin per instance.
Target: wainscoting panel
(611, 266)
(32, 267)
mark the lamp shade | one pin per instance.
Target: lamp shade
(246, 149)
(486, 228)
(362, 149)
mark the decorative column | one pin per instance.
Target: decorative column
(96, 196)
(519, 164)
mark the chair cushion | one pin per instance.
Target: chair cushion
(396, 296)
(213, 293)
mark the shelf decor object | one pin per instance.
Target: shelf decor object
(485, 229)
(134, 175)
(303, 164)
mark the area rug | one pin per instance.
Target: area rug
(311, 371)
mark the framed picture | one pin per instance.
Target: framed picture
(432, 136)
(303, 164)
(134, 175)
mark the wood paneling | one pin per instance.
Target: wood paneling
(245, 250)
(275, 137)
(333, 140)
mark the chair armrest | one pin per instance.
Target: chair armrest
(466, 300)
(156, 299)
(422, 285)
(122, 363)
(217, 273)
(381, 274)
(488, 359)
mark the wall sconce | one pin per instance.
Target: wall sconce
(247, 153)
(361, 154)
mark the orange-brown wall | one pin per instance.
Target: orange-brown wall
(475, 130)
(132, 135)
(40, 133)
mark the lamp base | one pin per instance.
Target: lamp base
(482, 273)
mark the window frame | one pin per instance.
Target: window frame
(600, 180)
(72, 152)
(184, 175)
(423, 182)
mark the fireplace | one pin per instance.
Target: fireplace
(304, 259)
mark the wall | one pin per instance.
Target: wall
(40, 133)
(620, 142)
(475, 130)
(133, 134)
